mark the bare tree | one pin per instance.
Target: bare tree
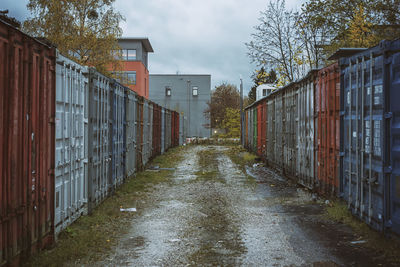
(275, 43)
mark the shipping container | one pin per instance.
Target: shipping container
(163, 127)
(327, 140)
(271, 140)
(117, 135)
(306, 131)
(254, 126)
(370, 135)
(279, 130)
(260, 125)
(27, 141)
(156, 130)
(290, 130)
(167, 129)
(71, 154)
(146, 133)
(99, 134)
(139, 132)
(130, 132)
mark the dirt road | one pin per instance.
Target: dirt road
(212, 213)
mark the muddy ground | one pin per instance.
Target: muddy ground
(213, 212)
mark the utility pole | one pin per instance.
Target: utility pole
(241, 112)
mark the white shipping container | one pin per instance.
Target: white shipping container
(71, 155)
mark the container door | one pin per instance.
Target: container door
(395, 142)
(71, 153)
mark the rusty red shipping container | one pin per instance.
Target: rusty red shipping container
(328, 133)
(261, 128)
(27, 134)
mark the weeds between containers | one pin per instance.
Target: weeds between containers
(92, 237)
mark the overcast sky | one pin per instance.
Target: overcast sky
(191, 36)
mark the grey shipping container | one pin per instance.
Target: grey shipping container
(271, 140)
(130, 132)
(306, 131)
(290, 130)
(71, 158)
(99, 147)
(117, 137)
(370, 135)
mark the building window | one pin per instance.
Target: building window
(264, 92)
(167, 91)
(131, 77)
(131, 54)
(127, 77)
(195, 91)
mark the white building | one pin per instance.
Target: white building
(264, 90)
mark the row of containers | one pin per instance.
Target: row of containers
(69, 136)
(337, 131)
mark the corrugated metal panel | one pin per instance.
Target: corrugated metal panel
(259, 109)
(306, 132)
(130, 132)
(146, 132)
(117, 137)
(163, 130)
(99, 148)
(369, 177)
(327, 138)
(246, 114)
(139, 134)
(290, 131)
(394, 142)
(254, 126)
(27, 136)
(167, 129)
(150, 134)
(71, 159)
(279, 109)
(271, 130)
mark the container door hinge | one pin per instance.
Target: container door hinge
(388, 224)
(341, 113)
(52, 120)
(388, 115)
(50, 172)
(388, 170)
(341, 154)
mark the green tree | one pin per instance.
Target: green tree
(86, 30)
(260, 77)
(231, 123)
(352, 23)
(222, 97)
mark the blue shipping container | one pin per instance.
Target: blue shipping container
(370, 135)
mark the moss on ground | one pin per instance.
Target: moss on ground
(388, 247)
(92, 237)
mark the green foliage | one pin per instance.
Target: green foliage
(223, 96)
(87, 31)
(231, 123)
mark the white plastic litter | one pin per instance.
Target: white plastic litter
(128, 210)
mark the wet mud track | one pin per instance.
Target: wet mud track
(213, 214)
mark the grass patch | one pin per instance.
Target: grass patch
(339, 212)
(240, 156)
(208, 164)
(92, 237)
